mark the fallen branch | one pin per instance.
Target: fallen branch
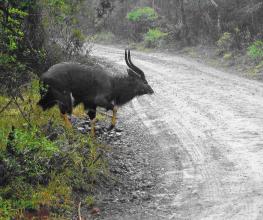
(79, 211)
(214, 3)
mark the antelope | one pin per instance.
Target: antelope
(69, 84)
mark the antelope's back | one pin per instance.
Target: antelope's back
(80, 80)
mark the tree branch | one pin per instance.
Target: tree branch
(214, 3)
(79, 211)
(6, 106)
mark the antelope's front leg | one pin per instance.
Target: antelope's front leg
(104, 102)
(114, 117)
(65, 106)
(93, 124)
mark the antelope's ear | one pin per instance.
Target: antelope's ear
(131, 73)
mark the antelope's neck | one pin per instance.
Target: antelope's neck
(123, 90)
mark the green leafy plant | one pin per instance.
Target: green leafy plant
(228, 56)
(225, 42)
(139, 14)
(104, 37)
(153, 37)
(140, 20)
(26, 161)
(255, 50)
(90, 200)
(19, 50)
(37, 171)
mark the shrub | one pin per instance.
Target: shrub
(225, 42)
(141, 19)
(40, 165)
(153, 37)
(104, 37)
(36, 172)
(26, 164)
(14, 48)
(255, 50)
(228, 56)
(140, 14)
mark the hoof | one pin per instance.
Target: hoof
(118, 129)
(110, 128)
(114, 128)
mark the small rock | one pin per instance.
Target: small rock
(87, 128)
(118, 134)
(81, 129)
(73, 120)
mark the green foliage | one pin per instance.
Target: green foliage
(256, 69)
(78, 35)
(90, 200)
(27, 156)
(104, 37)
(62, 21)
(26, 161)
(225, 42)
(228, 56)
(57, 9)
(153, 37)
(33, 140)
(141, 14)
(35, 171)
(17, 49)
(255, 50)
(28, 41)
(141, 19)
(6, 211)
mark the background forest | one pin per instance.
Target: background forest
(35, 34)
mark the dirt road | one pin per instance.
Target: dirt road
(211, 124)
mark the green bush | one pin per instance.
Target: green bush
(228, 56)
(225, 42)
(26, 164)
(104, 37)
(153, 37)
(36, 172)
(77, 35)
(255, 50)
(140, 14)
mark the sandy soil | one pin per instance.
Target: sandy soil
(198, 142)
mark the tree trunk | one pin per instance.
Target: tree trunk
(218, 16)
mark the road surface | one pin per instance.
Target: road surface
(210, 121)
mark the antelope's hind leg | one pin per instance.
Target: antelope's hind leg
(65, 106)
(93, 120)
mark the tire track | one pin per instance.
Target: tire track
(213, 121)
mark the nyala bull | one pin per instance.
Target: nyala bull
(69, 84)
